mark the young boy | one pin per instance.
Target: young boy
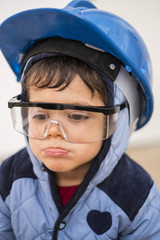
(84, 90)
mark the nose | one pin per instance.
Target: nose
(54, 129)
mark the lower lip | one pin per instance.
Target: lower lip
(56, 152)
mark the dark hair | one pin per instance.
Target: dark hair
(59, 71)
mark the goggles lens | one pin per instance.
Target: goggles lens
(77, 124)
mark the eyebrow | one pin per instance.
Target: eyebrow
(83, 103)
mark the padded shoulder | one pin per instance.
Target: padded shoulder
(16, 166)
(128, 186)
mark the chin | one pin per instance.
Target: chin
(55, 167)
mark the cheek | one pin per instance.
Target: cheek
(35, 146)
(86, 152)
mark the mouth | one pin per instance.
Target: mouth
(56, 152)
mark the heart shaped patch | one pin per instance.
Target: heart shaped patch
(99, 222)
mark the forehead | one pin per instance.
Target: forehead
(75, 93)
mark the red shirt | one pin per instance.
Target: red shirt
(66, 193)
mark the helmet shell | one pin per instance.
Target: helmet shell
(81, 21)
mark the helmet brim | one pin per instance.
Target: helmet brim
(20, 31)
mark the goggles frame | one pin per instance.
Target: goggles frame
(16, 102)
(107, 111)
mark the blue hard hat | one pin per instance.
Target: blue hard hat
(80, 20)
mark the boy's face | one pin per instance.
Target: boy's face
(55, 152)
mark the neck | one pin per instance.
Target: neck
(73, 177)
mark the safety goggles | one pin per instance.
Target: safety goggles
(75, 123)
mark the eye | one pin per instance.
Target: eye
(78, 116)
(40, 116)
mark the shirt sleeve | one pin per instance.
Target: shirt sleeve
(146, 225)
(6, 231)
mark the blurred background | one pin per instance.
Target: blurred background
(144, 16)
